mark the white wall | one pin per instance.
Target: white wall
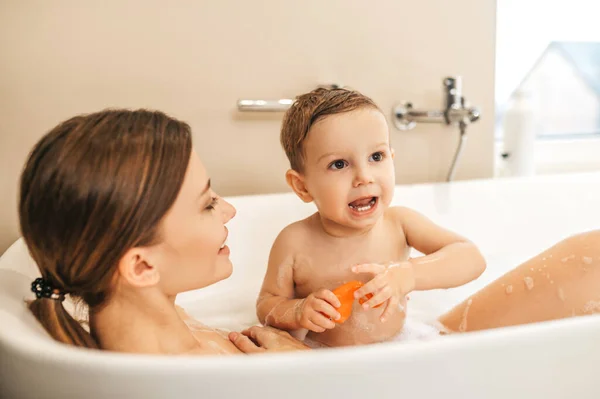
(194, 59)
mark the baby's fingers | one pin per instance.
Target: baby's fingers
(380, 297)
(371, 287)
(328, 296)
(389, 309)
(321, 321)
(327, 310)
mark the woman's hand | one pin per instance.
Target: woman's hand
(265, 339)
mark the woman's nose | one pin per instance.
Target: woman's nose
(228, 211)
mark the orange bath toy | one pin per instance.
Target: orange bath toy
(345, 294)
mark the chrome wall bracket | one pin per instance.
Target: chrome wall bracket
(406, 116)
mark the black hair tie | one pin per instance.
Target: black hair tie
(42, 289)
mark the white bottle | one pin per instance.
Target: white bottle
(520, 130)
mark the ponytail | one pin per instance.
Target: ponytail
(53, 316)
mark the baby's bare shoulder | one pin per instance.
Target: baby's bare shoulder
(295, 235)
(396, 215)
(401, 215)
(398, 219)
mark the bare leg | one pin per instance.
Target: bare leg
(563, 281)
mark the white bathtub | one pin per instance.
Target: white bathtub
(510, 220)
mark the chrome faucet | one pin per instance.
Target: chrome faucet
(456, 113)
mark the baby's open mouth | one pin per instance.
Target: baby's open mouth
(363, 204)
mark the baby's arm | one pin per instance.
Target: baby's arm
(450, 260)
(277, 306)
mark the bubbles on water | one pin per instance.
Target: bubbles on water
(591, 307)
(528, 282)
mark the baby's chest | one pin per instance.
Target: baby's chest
(327, 267)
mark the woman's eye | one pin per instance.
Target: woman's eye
(337, 165)
(213, 203)
(376, 157)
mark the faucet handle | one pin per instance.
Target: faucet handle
(454, 97)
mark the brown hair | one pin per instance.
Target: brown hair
(308, 109)
(92, 188)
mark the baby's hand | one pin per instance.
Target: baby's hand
(316, 311)
(390, 284)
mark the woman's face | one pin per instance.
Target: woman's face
(191, 252)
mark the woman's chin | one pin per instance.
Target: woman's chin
(225, 270)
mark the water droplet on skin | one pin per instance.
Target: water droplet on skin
(528, 282)
(587, 260)
(463, 323)
(509, 289)
(561, 294)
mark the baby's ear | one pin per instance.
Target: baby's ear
(393, 152)
(296, 181)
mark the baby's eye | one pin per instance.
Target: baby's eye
(338, 164)
(376, 157)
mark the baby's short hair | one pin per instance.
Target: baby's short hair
(310, 108)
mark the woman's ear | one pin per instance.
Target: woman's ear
(137, 270)
(296, 181)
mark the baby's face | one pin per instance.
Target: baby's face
(348, 167)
